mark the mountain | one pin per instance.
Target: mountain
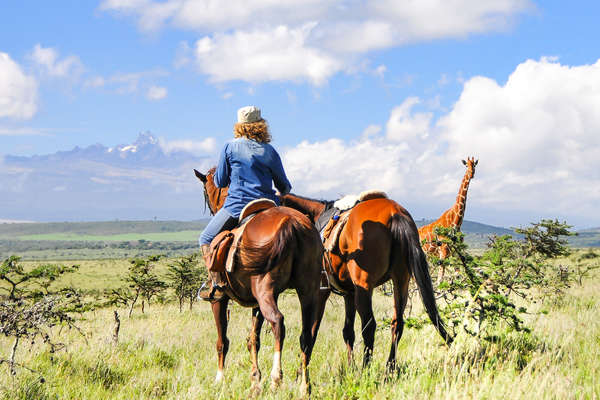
(139, 180)
(145, 151)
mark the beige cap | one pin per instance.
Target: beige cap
(248, 114)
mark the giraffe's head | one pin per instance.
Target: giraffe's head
(470, 163)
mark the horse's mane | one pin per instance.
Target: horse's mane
(322, 201)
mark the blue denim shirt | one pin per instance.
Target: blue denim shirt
(249, 168)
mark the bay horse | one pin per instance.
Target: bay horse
(280, 248)
(379, 242)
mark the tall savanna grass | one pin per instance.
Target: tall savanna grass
(171, 355)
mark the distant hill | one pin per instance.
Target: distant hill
(474, 227)
(586, 238)
(118, 239)
(103, 228)
(476, 233)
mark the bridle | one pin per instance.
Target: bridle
(207, 200)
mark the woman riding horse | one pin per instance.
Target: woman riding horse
(247, 165)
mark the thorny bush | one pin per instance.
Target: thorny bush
(31, 307)
(484, 295)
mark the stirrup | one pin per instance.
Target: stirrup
(204, 294)
(324, 283)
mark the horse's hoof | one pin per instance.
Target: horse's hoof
(305, 389)
(275, 383)
(220, 377)
(255, 389)
(255, 376)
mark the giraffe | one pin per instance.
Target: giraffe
(451, 218)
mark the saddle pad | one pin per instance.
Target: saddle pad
(346, 202)
(349, 201)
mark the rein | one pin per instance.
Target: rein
(207, 202)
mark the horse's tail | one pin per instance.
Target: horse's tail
(405, 232)
(260, 257)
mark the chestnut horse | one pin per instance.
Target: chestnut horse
(379, 242)
(280, 248)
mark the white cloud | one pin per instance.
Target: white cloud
(95, 82)
(131, 82)
(436, 19)
(22, 131)
(210, 15)
(536, 138)
(406, 126)
(206, 146)
(380, 71)
(443, 81)
(353, 166)
(183, 55)
(257, 56)
(312, 39)
(47, 58)
(18, 92)
(370, 131)
(537, 135)
(156, 93)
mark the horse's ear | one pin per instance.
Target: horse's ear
(200, 175)
(463, 161)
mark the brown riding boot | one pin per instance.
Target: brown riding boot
(214, 286)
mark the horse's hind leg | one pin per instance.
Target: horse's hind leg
(400, 299)
(323, 296)
(268, 307)
(364, 306)
(309, 305)
(254, 345)
(219, 309)
(348, 331)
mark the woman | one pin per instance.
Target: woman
(249, 165)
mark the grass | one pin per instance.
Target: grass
(181, 236)
(171, 355)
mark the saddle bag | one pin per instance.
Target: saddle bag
(219, 247)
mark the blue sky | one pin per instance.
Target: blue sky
(402, 90)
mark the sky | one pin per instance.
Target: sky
(380, 94)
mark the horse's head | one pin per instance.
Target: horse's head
(213, 195)
(470, 163)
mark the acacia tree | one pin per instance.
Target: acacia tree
(40, 277)
(482, 292)
(31, 307)
(185, 277)
(143, 281)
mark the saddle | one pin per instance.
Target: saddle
(223, 248)
(333, 220)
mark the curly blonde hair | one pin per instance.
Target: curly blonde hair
(258, 131)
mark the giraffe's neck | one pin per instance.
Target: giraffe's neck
(461, 202)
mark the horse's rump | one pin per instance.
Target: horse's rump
(270, 237)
